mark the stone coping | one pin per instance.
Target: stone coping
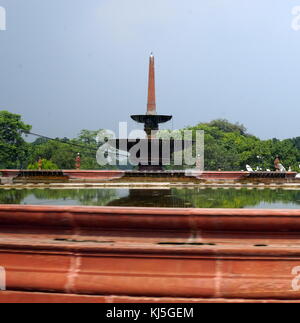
(137, 218)
(155, 185)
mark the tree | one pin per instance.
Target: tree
(13, 148)
(63, 152)
(88, 137)
(296, 142)
(226, 126)
(58, 152)
(229, 147)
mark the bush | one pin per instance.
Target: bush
(47, 165)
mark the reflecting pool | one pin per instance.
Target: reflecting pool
(174, 198)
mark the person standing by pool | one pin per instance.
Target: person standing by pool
(78, 161)
(40, 163)
(277, 164)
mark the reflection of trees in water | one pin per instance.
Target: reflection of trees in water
(84, 197)
(233, 198)
(200, 198)
(12, 196)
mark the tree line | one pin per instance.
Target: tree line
(228, 147)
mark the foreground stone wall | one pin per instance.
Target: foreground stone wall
(140, 254)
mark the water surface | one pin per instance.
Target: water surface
(174, 198)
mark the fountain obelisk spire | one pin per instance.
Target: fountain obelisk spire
(151, 106)
(151, 119)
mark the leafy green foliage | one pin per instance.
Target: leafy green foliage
(63, 152)
(229, 147)
(13, 148)
(46, 165)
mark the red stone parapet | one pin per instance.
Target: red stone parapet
(88, 254)
(198, 175)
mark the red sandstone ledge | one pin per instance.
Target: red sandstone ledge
(72, 253)
(99, 218)
(115, 174)
(193, 273)
(27, 297)
(75, 174)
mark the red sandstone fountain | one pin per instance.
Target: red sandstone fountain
(156, 153)
(151, 119)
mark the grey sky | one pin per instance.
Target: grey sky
(67, 65)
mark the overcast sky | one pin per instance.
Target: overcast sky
(67, 65)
